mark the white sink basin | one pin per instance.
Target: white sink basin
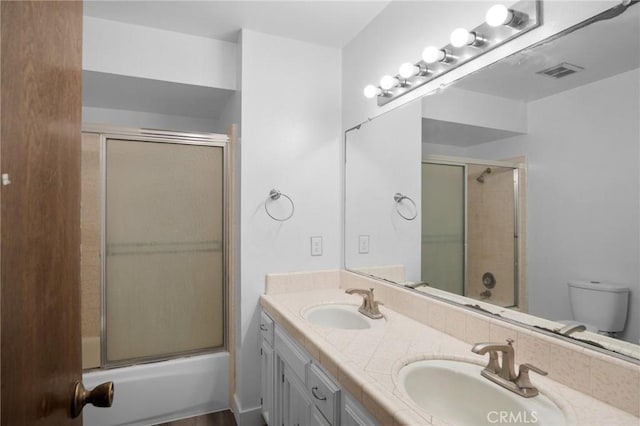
(344, 316)
(455, 392)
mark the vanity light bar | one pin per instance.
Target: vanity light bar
(502, 25)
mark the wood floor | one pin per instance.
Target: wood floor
(221, 418)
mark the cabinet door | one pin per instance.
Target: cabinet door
(268, 382)
(316, 418)
(354, 415)
(296, 404)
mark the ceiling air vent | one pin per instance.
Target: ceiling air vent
(561, 70)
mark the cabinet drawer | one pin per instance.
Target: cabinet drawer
(325, 394)
(292, 355)
(266, 327)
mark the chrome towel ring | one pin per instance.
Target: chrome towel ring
(399, 198)
(274, 195)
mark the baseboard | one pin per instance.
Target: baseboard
(250, 417)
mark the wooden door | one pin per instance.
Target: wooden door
(40, 111)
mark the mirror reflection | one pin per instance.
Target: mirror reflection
(524, 182)
(470, 228)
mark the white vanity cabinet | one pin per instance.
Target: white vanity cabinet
(298, 409)
(296, 391)
(292, 401)
(353, 414)
(267, 368)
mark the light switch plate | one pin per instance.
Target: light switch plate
(363, 244)
(316, 246)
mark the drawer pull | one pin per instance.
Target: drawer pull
(313, 392)
(263, 327)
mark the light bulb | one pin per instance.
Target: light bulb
(432, 54)
(498, 15)
(461, 37)
(408, 70)
(387, 82)
(371, 91)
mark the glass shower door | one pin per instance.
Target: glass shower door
(443, 226)
(163, 244)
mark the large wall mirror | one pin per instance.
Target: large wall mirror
(514, 187)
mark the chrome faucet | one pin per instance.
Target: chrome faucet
(504, 374)
(369, 306)
(507, 369)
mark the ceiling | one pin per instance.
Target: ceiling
(332, 23)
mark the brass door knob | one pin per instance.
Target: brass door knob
(100, 396)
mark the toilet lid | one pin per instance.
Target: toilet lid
(600, 286)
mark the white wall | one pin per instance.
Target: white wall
(231, 114)
(148, 120)
(582, 184)
(403, 29)
(476, 109)
(290, 141)
(154, 56)
(137, 51)
(383, 158)
(583, 178)
(437, 149)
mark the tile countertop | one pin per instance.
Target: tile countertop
(364, 361)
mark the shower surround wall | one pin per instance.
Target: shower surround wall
(90, 250)
(490, 231)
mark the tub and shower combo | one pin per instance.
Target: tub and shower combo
(154, 244)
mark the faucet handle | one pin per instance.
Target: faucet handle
(524, 383)
(524, 369)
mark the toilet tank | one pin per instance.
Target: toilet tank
(603, 305)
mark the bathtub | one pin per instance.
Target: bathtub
(159, 392)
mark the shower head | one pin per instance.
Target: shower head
(485, 172)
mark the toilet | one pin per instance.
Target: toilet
(600, 306)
